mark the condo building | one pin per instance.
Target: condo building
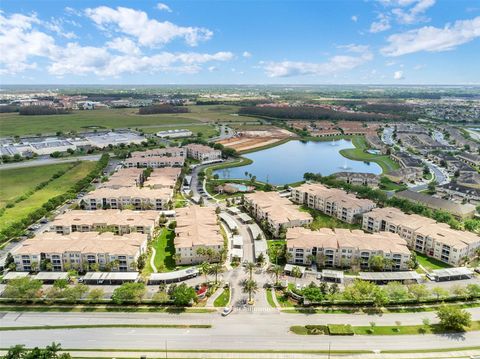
(197, 227)
(154, 162)
(278, 212)
(424, 235)
(112, 220)
(161, 152)
(163, 178)
(344, 248)
(332, 201)
(128, 198)
(124, 177)
(202, 153)
(80, 251)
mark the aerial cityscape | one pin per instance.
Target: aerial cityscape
(240, 179)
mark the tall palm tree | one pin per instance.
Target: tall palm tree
(249, 286)
(205, 269)
(215, 269)
(276, 270)
(296, 273)
(249, 267)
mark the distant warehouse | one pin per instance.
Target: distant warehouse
(174, 133)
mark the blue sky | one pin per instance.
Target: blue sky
(240, 42)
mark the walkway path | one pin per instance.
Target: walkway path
(152, 260)
(214, 296)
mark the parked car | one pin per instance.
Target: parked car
(226, 311)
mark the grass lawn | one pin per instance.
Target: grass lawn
(322, 220)
(17, 181)
(207, 130)
(389, 330)
(54, 188)
(223, 299)
(430, 263)
(388, 185)
(165, 250)
(12, 124)
(270, 298)
(358, 154)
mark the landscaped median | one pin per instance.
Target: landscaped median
(372, 329)
(87, 326)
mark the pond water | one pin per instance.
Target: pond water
(288, 162)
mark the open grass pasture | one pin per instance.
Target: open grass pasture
(13, 124)
(56, 187)
(17, 181)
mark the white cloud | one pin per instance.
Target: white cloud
(20, 43)
(246, 54)
(84, 60)
(163, 7)
(123, 45)
(415, 13)
(433, 39)
(355, 48)
(148, 32)
(419, 67)
(354, 18)
(334, 65)
(382, 24)
(398, 75)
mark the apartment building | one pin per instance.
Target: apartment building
(128, 198)
(469, 158)
(405, 175)
(163, 178)
(332, 201)
(80, 251)
(203, 153)
(344, 248)
(424, 235)
(154, 162)
(161, 152)
(124, 177)
(197, 227)
(278, 212)
(112, 220)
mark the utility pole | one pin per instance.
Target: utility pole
(329, 347)
(166, 350)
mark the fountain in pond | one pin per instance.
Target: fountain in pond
(345, 166)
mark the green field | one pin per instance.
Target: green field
(13, 124)
(165, 250)
(430, 263)
(358, 154)
(223, 299)
(15, 182)
(321, 220)
(54, 188)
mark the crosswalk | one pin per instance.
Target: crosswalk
(253, 309)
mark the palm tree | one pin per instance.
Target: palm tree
(205, 269)
(215, 269)
(296, 273)
(249, 286)
(276, 270)
(249, 267)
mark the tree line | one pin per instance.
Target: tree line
(42, 110)
(310, 113)
(158, 109)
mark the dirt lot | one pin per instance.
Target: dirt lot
(259, 137)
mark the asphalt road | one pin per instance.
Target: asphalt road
(257, 330)
(48, 161)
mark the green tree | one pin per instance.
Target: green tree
(183, 295)
(129, 292)
(276, 270)
(23, 288)
(418, 291)
(453, 318)
(249, 267)
(439, 292)
(377, 263)
(95, 295)
(396, 291)
(215, 269)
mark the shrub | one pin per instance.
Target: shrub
(340, 329)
